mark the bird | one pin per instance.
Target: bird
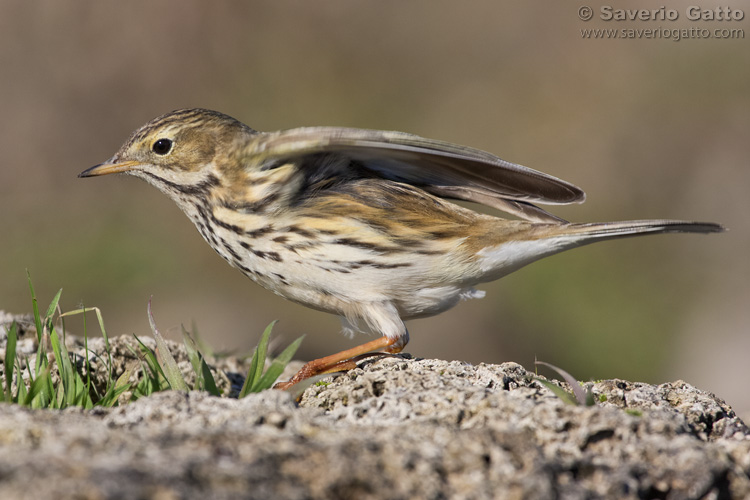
(359, 223)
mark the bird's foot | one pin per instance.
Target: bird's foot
(342, 361)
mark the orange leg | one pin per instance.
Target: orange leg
(344, 360)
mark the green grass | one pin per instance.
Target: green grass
(64, 379)
(258, 380)
(578, 397)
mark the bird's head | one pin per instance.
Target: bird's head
(179, 150)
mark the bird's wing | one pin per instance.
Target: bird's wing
(441, 168)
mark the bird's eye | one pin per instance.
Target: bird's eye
(162, 147)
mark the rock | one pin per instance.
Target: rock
(25, 331)
(396, 428)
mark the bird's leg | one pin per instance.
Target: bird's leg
(344, 360)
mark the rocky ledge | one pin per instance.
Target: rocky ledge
(393, 428)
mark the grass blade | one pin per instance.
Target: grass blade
(204, 378)
(53, 305)
(39, 387)
(167, 362)
(10, 360)
(21, 392)
(558, 391)
(250, 379)
(580, 396)
(262, 351)
(114, 391)
(35, 307)
(208, 379)
(195, 358)
(578, 392)
(277, 366)
(67, 391)
(87, 360)
(257, 363)
(98, 312)
(107, 346)
(154, 379)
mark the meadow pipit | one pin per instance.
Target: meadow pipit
(359, 223)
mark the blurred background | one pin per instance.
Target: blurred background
(650, 128)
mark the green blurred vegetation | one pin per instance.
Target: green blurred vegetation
(649, 128)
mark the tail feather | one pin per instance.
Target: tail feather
(607, 230)
(644, 226)
(542, 240)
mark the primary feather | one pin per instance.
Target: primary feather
(443, 169)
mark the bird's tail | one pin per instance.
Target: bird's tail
(542, 240)
(599, 231)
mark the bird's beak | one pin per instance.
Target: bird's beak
(109, 167)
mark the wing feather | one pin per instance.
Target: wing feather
(441, 168)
